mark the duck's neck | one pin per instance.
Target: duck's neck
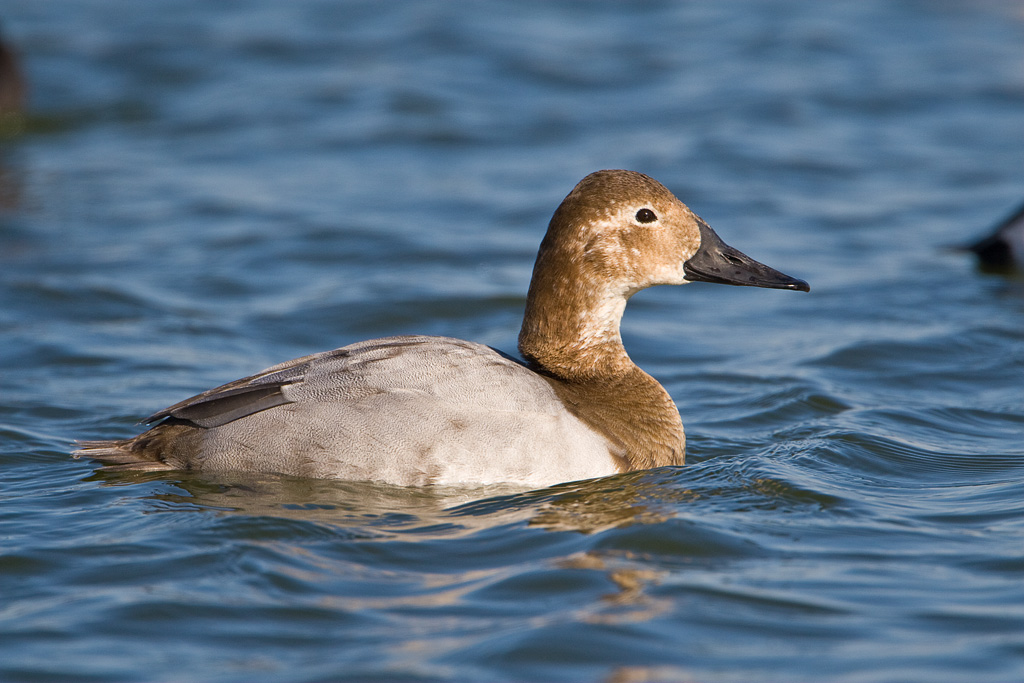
(574, 335)
(570, 334)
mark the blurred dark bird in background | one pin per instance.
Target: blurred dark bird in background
(1003, 249)
(13, 88)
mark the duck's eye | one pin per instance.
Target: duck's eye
(646, 216)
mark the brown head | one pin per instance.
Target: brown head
(616, 233)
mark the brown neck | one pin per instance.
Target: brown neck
(570, 335)
(570, 327)
(578, 340)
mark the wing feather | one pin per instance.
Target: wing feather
(242, 397)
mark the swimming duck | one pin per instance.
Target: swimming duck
(12, 83)
(418, 410)
(1004, 247)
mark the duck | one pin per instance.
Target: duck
(1003, 248)
(437, 411)
(12, 83)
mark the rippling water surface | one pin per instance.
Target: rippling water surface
(204, 189)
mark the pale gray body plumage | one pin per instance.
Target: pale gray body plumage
(408, 410)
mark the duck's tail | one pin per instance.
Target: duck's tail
(121, 454)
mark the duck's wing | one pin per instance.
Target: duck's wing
(318, 375)
(242, 397)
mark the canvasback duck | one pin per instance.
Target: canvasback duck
(416, 410)
(1003, 249)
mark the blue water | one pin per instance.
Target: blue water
(204, 189)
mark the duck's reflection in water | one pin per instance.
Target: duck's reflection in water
(385, 511)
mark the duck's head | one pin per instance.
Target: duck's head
(616, 233)
(624, 227)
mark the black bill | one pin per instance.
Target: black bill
(716, 261)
